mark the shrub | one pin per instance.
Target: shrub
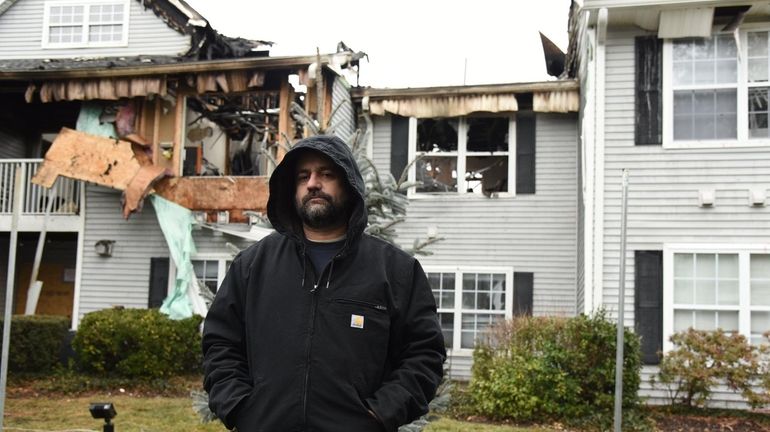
(137, 343)
(36, 342)
(704, 359)
(547, 368)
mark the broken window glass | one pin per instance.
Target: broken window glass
(486, 174)
(437, 174)
(487, 134)
(437, 135)
(758, 112)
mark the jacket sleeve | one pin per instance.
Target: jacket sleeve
(225, 364)
(418, 355)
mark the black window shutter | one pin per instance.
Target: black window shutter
(522, 293)
(525, 153)
(158, 282)
(649, 91)
(399, 145)
(648, 303)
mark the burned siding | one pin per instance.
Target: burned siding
(21, 28)
(11, 144)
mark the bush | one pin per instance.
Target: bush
(36, 342)
(704, 359)
(547, 368)
(137, 343)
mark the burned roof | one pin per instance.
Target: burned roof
(206, 43)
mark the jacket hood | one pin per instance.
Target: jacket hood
(281, 208)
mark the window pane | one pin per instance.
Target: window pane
(683, 265)
(760, 279)
(447, 321)
(760, 323)
(705, 114)
(758, 54)
(469, 282)
(728, 321)
(487, 134)
(705, 266)
(757, 69)
(728, 292)
(760, 293)
(683, 291)
(437, 135)
(758, 111)
(498, 301)
(757, 44)
(728, 266)
(212, 269)
(437, 174)
(486, 174)
(447, 300)
(469, 300)
(705, 292)
(483, 301)
(484, 282)
(683, 319)
(760, 266)
(705, 320)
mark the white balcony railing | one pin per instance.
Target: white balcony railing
(34, 197)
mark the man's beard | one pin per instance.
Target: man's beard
(328, 214)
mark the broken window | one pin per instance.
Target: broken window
(476, 147)
(211, 272)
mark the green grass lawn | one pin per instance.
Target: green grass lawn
(150, 414)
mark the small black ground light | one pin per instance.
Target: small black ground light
(106, 411)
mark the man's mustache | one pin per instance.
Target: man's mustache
(313, 195)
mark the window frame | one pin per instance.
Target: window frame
(458, 311)
(85, 26)
(221, 258)
(744, 308)
(462, 154)
(742, 115)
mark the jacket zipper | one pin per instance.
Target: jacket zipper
(311, 329)
(378, 307)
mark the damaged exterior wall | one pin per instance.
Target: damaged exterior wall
(22, 24)
(124, 278)
(531, 233)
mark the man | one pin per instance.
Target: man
(320, 327)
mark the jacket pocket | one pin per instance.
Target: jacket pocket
(375, 306)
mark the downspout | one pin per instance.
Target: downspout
(599, 133)
(369, 127)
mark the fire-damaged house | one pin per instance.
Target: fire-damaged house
(494, 169)
(132, 101)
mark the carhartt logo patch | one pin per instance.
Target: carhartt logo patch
(357, 321)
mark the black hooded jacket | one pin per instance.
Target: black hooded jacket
(286, 349)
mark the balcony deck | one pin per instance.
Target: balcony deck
(65, 212)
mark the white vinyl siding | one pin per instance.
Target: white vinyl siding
(663, 192)
(21, 32)
(664, 184)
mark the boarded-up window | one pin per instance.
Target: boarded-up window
(525, 153)
(523, 284)
(648, 304)
(648, 104)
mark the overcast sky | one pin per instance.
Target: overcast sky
(413, 43)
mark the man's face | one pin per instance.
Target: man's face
(321, 197)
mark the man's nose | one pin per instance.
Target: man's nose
(313, 182)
